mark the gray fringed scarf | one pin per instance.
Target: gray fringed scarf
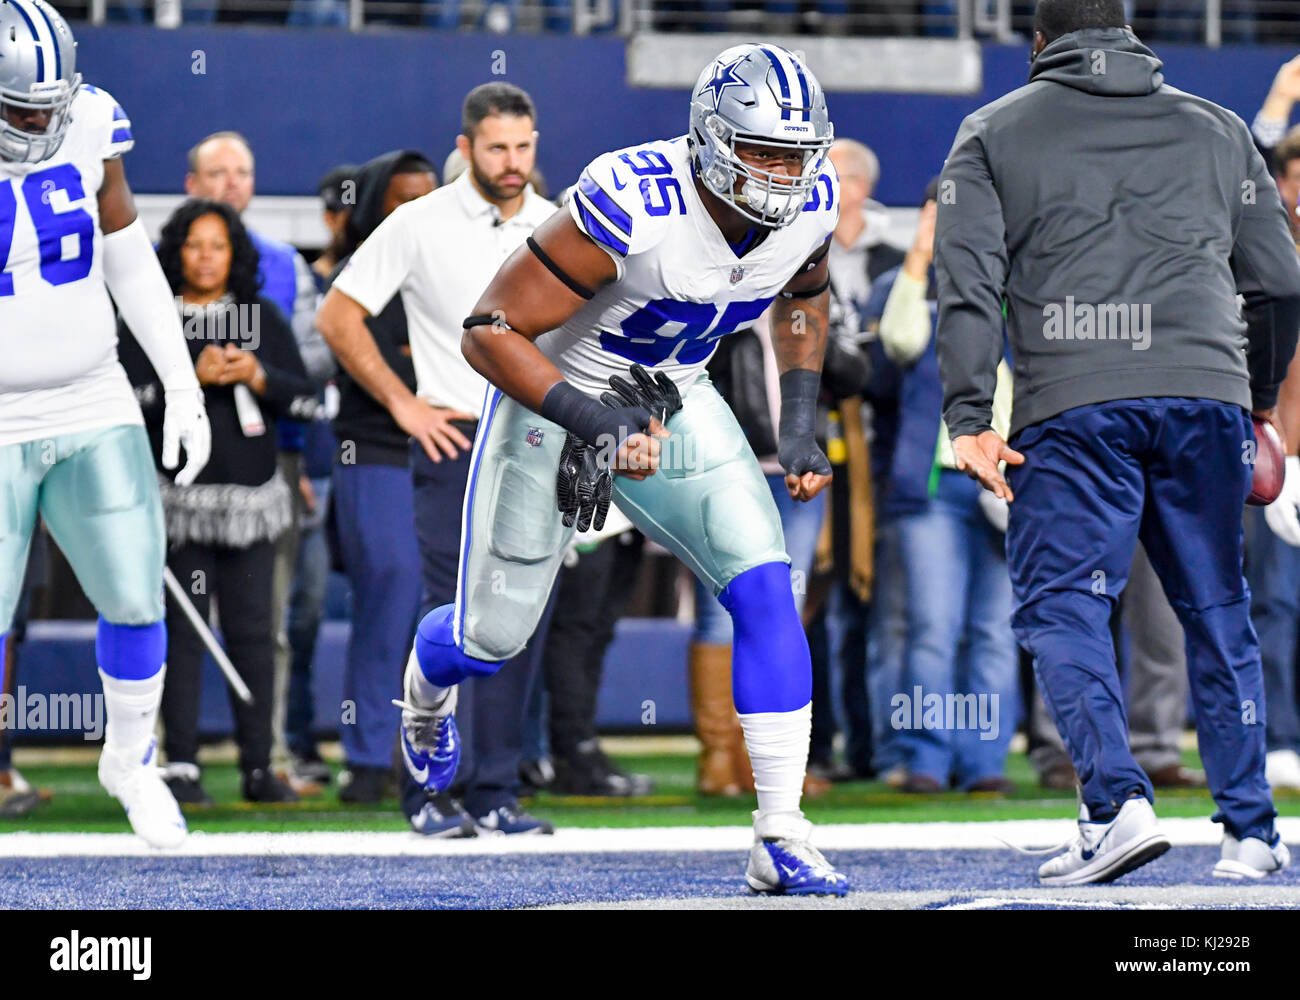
(226, 513)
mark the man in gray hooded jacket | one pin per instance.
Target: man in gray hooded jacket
(1113, 221)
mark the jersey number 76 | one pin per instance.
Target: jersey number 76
(52, 227)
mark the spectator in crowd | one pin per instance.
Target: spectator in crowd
(374, 507)
(1280, 147)
(222, 529)
(859, 251)
(221, 167)
(441, 252)
(956, 589)
(870, 635)
(338, 195)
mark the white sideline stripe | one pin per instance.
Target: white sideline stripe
(1037, 833)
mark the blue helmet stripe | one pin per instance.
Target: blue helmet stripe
(598, 232)
(607, 206)
(54, 39)
(781, 79)
(40, 55)
(803, 88)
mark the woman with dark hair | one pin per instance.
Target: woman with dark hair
(221, 530)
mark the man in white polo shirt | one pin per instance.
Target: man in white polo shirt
(440, 251)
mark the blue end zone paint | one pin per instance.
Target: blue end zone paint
(477, 881)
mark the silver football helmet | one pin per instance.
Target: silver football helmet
(762, 95)
(38, 73)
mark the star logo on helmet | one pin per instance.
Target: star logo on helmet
(724, 77)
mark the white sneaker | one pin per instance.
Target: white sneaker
(149, 803)
(1282, 768)
(1105, 851)
(1251, 858)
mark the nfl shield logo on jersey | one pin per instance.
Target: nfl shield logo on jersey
(534, 436)
(737, 273)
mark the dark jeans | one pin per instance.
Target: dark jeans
(373, 508)
(489, 710)
(240, 579)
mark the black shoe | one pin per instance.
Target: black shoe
(589, 772)
(511, 819)
(260, 785)
(442, 816)
(365, 785)
(183, 780)
(534, 775)
(310, 767)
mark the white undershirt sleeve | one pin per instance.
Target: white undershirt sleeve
(136, 282)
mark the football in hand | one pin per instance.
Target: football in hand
(1270, 465)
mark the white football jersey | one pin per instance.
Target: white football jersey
(60, 372)
(681, 287)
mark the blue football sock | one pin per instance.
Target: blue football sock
(130, 652)
(771, 669)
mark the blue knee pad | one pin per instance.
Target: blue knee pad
(771, 670)
(441, 661)
(130, 652)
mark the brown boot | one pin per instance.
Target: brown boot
(740, 757)
(716, 721)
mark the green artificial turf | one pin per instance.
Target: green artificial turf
(81, 805)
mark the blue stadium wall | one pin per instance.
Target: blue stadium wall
(310, 98)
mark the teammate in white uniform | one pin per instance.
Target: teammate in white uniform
(72, 441)
(666, 247)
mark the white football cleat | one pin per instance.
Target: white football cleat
(1105, 851)
(149, 803)
(1251, 858)
(1282, 769)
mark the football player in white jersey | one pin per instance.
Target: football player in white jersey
(666, 247)
(72, 441)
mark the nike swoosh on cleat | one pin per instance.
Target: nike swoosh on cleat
(789, 872)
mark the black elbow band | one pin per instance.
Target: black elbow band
(485, 319)
(580, 290)
(810, 293)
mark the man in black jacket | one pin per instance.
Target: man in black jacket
(374, 517)
(1115, 220)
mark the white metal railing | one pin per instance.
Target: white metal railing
(1210, 22)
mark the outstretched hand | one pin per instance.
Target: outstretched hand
(978, 456)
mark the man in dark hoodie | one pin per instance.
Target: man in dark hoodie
(374, 510)
(1113, 220)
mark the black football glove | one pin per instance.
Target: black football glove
(582, 488)
(658, 395)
